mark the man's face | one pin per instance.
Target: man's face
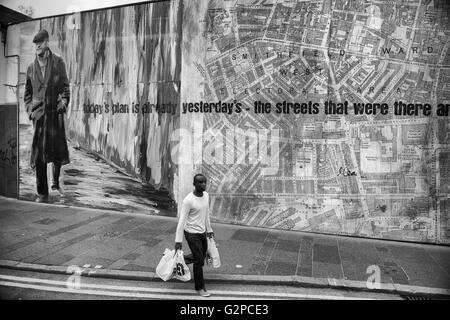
(41, 47)
(200, 183)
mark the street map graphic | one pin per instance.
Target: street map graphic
(370, 174)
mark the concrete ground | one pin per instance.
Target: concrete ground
(53, 235)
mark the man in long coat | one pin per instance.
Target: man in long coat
(47, 95)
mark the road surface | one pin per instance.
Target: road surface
(25, 285)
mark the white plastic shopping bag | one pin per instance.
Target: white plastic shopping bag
(172, 265)
(213, 253)
(164, 270)
(181, 270)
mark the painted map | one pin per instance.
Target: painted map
(382, 176)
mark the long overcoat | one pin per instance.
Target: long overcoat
(49, 138)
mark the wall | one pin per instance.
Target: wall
(290, 171)
(275, 170)
(9, 67)
(8, 122)
(8, 151)
(2, 74)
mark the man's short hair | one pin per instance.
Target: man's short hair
(199, 175)
(41, 36)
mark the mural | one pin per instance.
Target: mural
(116, 59)
(370, 175)
(281, 161)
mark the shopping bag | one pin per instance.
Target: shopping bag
(213, 253)
(181, 270)
(172, 265)
(164, 270)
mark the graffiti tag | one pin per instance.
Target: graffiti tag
(8, 154)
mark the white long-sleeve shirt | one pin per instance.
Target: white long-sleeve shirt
(194, 216)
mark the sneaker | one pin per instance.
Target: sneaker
(203, 293)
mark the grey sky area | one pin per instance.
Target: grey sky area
(44, 8)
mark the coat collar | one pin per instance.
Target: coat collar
(48, 68)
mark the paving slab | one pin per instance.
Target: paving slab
(281, 268)
(54, 259)
(79, 248)
(119, 264)
(440, 256)
(327, 270)
(237, 256)
(326, 254)
(32, 249)
(305, 257)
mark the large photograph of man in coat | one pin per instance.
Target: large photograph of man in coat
(47, 95)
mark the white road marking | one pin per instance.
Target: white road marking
(108, 293)
(240, 294)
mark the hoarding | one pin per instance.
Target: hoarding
(318, 116)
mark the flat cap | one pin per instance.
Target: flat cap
(40, 36)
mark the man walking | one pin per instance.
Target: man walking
(194, 220)
(47, 94)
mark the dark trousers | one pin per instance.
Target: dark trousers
(41, 176)
(198, 245)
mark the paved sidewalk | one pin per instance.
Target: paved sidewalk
(55, 235)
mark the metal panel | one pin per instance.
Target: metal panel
(9, 158)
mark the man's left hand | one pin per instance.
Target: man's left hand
(61, 107)
(210, 234)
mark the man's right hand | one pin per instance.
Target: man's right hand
(37, 111)
(177, 246)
